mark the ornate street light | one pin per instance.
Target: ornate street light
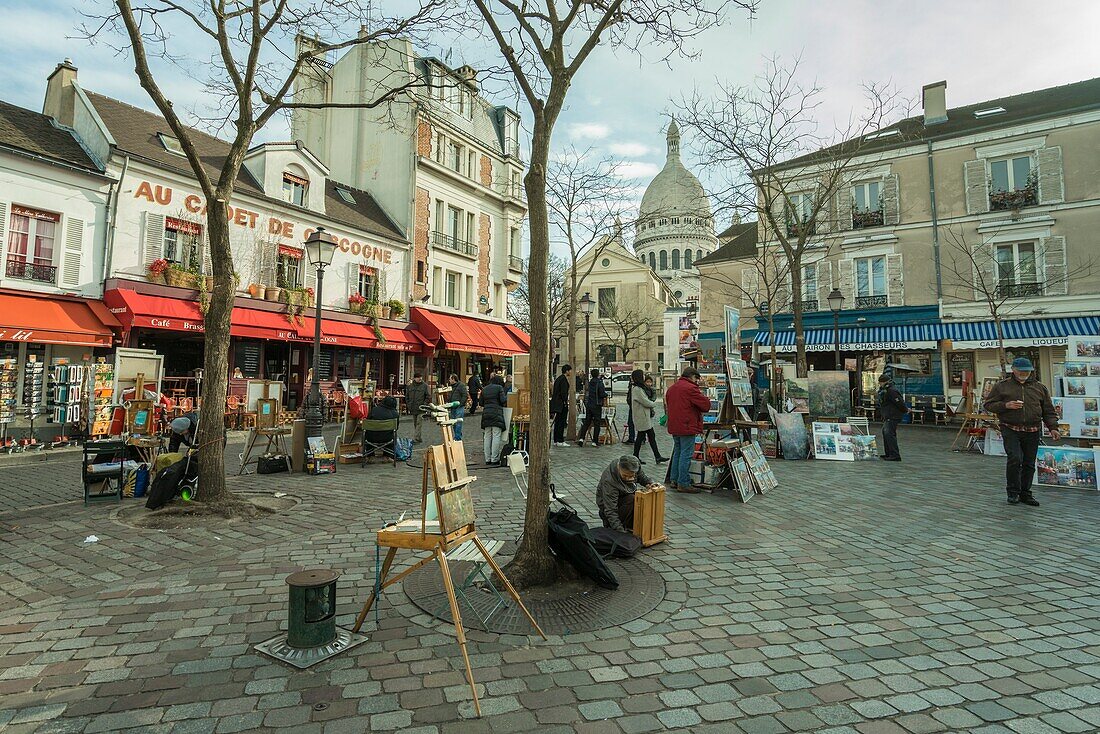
(588, 304)
(320, 246)
(836, 302)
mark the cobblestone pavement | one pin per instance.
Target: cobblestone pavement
(866, 597)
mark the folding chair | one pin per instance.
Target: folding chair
(379, 435)
(517, 464)
(859, 424)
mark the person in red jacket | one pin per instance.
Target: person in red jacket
(685, 405)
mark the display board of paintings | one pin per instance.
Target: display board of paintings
(865, 448)
(737, 372)
(1078, 411)
(714, 385)
(762, 474)
(1065, 466)
(833, 442)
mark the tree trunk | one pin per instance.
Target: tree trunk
(775, 364)
(799, 333)
(1000, 340)
(215, 384)
(533, 564)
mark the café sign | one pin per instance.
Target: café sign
(858, 347)
(248, 219)
(1048, 341)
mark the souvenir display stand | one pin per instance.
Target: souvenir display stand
(445, 494)
(66, 397)
(100, 396)
(8, 377)
(34, 379)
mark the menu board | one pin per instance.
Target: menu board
(325, 362)
(957, 364)
(248, 358)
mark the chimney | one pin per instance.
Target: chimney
(468, 75)
(60, 93)
(934, 98)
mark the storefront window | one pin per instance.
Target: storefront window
(350, 363)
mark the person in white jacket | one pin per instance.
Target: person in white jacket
(642, 405)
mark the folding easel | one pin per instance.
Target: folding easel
(450, 484)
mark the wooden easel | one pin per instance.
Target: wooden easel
(972, 418)
(450, 491)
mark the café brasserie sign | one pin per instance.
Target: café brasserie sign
(246, 218)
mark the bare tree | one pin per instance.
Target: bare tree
(782, 167)
(1006, 277)
(586, 199)
(519, 300)
(544, 45)
(243, 48)
(626, 321)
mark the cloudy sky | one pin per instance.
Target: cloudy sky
(984, 49)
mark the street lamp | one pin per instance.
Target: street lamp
(836, 302)
(320, 246)
(587, 304)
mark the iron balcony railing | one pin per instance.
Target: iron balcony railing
(27, 270)
(1019, 290)
(460, 246)
(872, 301)
(873, 218)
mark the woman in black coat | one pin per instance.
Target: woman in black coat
(493, 401)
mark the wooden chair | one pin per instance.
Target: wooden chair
(916, 410)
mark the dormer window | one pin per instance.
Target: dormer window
(294, 189)
(171, 144)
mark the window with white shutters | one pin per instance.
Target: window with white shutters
(1018, 270)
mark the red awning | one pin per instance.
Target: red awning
(465, 334)
(155, 312)
(521, 338)
(55, 321)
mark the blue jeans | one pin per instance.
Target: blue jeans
(682, 450)
(457, 427)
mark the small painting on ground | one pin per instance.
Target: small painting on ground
(1063, 466)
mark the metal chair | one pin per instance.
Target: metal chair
(939, 412)
(379, 435)
(859, 424)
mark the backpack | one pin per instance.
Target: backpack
(615, 543)
(570, 539)
(403, 449)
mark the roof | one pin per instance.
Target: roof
(32, 132)
(738, 241)
(135, 132)
(1041, 103)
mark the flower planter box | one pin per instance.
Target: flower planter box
(155, 278)
(179, 278)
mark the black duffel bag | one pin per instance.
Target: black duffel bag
(615, 543)
(271, 464)
(166, 485)
(570, 539)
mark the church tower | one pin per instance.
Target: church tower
(675, 224)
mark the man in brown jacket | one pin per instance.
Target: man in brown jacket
(1023, 405)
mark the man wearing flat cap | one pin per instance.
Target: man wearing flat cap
(1023, 405)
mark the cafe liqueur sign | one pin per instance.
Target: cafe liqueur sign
(248, 219)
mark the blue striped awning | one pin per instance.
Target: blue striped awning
(848, 335)
(1023, 328)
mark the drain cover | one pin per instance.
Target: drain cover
(278, 648)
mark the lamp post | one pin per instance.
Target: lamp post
(836, 302)
(587, 305)
(320, 246)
